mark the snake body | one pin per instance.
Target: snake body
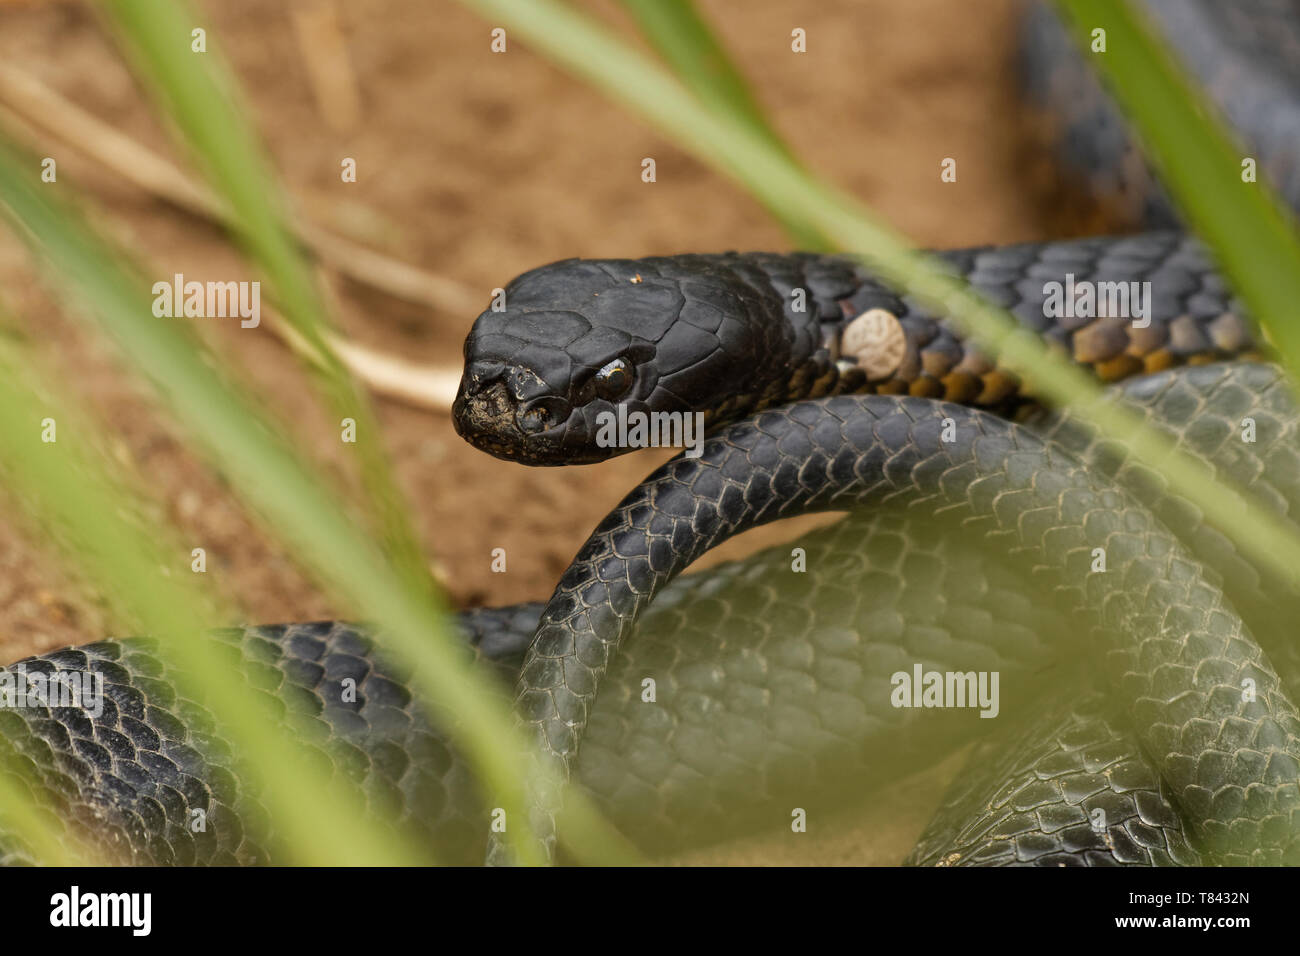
(768, 697)
(773, 687)
(738, 674)
(1243, 55)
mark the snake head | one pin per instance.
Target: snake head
(574, 345)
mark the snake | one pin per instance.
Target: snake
(691, 707)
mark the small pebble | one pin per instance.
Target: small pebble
(875, 340)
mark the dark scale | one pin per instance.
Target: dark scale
(1194, 319)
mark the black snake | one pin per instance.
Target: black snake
(1125, 732)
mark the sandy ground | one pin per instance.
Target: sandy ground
(477, 166)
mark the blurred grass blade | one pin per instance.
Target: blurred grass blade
(199, 96)
(43, 837)
(262, 469)
(83, 509)
(1249, 229)
(595, 54)
(681, 36)
(677, 31)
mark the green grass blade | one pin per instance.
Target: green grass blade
(681, 36)
(596, 55)
(247, 449)
(43, 836)
(592, 53)
(79, 506)
(1249, 230)
(199, 95)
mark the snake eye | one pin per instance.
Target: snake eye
(613, 380)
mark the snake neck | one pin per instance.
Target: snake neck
(1117, 307)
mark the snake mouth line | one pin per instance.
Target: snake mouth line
(487, 415)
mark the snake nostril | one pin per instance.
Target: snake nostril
(541, 414)
(482, 399)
